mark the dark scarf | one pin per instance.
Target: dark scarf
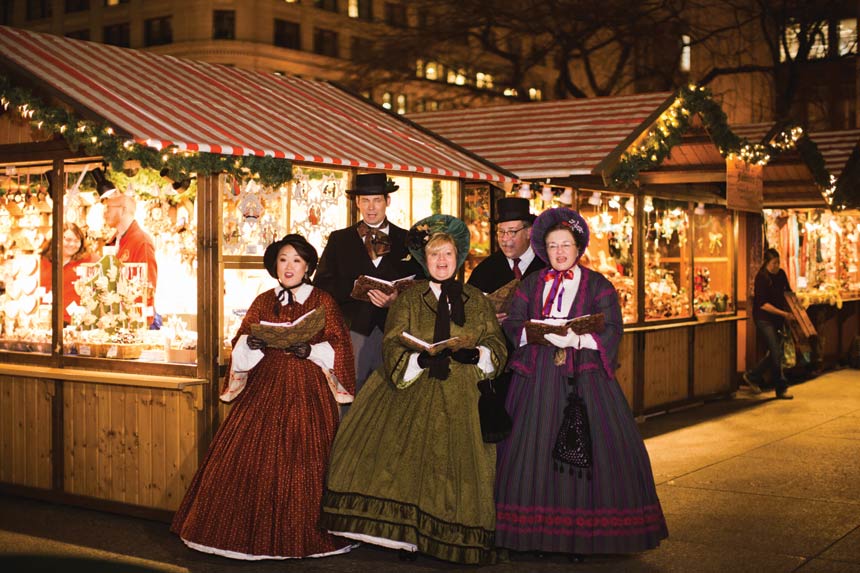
(452, 294)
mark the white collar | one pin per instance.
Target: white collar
(378, 227)
(300, 294)
(525, 259)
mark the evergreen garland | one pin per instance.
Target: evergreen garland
(671, 126)
(99, 139)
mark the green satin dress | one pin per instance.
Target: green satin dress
(408, 463)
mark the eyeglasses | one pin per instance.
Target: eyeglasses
(508, 234)
(557, 246)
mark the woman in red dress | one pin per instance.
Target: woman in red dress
(74, 253)
(257, 494)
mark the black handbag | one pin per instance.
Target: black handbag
(573, 442)
(496, 423)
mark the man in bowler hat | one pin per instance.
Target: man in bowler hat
(515, 257)
(374, 247)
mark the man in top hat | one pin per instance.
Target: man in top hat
(373, 247)
(515, 257)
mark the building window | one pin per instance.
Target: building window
(330, 5)
(158, 31)
(790, 46)
(386, 100)
(847, 31)
(685, 62)
(484, 81)
(395, 14)
(115, 2)
(118, 35)
(325, 42)
(457, 77)
(77, 6)
(510, 92)
(535, 94)
(5, 12)
(37, 9)
(361, 9)
(288, 34)
(224, 25)
(401, 104)
(78, 35)
(360, 46)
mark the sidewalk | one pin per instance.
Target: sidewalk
(751, 484)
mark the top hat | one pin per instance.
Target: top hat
(372, 184)
(513, 209)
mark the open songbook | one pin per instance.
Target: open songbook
(283, 334)
(586, 324)
(434, 348)
(365, 283)
(502, 296)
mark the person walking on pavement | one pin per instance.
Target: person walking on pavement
(770, 313)
(374, 247)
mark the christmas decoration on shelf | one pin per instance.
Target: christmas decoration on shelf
(100, 139)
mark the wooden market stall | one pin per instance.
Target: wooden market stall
(95, 408)
(648, 173)
(810, 216)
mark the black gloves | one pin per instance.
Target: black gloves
(466, 355)
(255, 343)
(439, 365)
(299, 349)
(425, 360)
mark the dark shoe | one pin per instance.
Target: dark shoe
(784, 396)
(576, 558)
(407, 555)
(753, 387)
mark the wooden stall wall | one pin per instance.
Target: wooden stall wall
(26, 438)
(624, 372)
(849, 318)
(713, 349)
(130, 444)
(666, 367)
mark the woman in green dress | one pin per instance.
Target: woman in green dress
(409, 469)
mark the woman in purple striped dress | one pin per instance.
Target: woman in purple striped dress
(604, 502)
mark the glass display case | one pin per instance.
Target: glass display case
(611, 246)
(713, 260)
(819, 252)
(116, 303)
(419, 197)
(667, 256)
(477, 200)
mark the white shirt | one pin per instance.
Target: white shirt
(525, 260)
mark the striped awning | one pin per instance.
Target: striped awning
(836, 147)
(162, 101)
(549, 139)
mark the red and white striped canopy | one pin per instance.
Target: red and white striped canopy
(836, 147)
(549, 139)
(162, 100)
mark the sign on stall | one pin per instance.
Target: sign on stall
(744, 185)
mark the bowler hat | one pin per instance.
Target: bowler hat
(513, 209)
(372, 184)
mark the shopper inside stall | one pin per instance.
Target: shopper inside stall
(74, 254)
(374, 247)
(257, 494)
(575, 461)
(409, 469)
(133, 244)
(770, 313)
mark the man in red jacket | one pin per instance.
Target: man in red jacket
(133, 245)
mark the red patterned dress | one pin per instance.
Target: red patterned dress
(257, 494)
